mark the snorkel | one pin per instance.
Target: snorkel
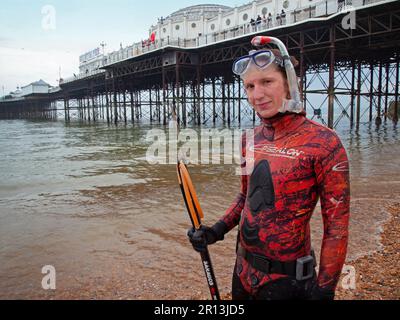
(294, 104)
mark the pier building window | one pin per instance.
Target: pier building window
(177, 27)
(228, 22)
(245, 17)
(193, 25)
(264, 10)
(213, 26)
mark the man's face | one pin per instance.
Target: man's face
(265, 90)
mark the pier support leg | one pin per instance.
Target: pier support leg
(358, 94)
(88, 107)
(371, 90)
(94, 107)
(353, 74)
(151, 106)
(386, 90)
(107, 108)
(115, 108)
(198, 95)
(214, 116)
(229, 102)
(124, 101)
(396, 93)
(164, 93)
(223, 101)
(378, 119)
(239, 100)
(132, 108)
(331, 87)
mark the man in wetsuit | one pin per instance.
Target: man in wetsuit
(296, 162)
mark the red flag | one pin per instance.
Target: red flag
(153, 37)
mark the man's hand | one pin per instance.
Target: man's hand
(205, 236)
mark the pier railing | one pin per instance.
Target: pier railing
(82, 75)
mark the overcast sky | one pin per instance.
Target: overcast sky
(34, 46)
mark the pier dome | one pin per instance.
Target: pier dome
(189, 22)
(208, 10)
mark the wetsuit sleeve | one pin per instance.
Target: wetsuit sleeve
(233, 213)
(332, 171)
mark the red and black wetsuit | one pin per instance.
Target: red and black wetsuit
(296, 162)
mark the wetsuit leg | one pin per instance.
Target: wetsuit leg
(281, 289)
(286, 289)
(305, 288)
(238, 291)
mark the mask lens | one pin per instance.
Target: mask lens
(263, 59)
(240, 66)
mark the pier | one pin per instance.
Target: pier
(349, 74)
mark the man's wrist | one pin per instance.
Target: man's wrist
(220, 228)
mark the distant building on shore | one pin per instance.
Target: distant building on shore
(35, 88)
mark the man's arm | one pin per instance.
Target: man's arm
(334, 189)
(232, 215)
